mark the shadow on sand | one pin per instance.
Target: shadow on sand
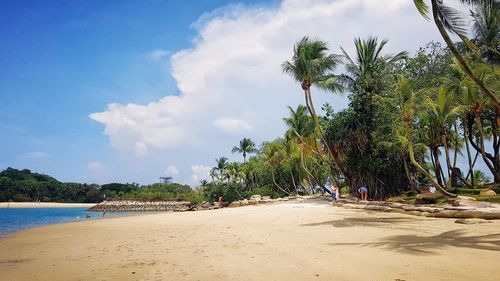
(363, 221)
(429, 245)
(413, 243)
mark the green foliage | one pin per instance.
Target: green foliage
(264, 191)
(23, 185)
(229, 191)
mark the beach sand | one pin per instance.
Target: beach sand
(44, 205)
(280, 241)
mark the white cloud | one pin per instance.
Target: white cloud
(232, 125)
(199, 172)
(141, 149)
(158, 54)
(233, 69)
(171, 170)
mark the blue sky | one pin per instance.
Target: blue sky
(62, 60)
(128, 91)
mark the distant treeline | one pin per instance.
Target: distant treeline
(26, 186)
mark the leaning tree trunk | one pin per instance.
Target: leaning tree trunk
(461, 60)
(312, 111)
(491, 166)
(408, 176)
(276, 184)
(426, 174)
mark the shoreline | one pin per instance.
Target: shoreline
(279, 241)
(5, 205)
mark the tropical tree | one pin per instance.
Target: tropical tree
(220, 170)
(486, 28)
(311, 65)
(449, 19)
(368, 54)
(442, 114)
(246, 146)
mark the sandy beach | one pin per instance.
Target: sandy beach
(44, 205)
(280, 241)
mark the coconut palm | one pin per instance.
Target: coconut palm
(443, 112)
(300, 124)
(246, 146)
(368, 53)
(220, 170)
(449, 19)
(486, 27)
(235, 172)
(311, 65)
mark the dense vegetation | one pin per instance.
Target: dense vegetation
(24, 185)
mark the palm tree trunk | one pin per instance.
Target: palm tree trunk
(461, 59)
(455, 156)
(447, 156)
(407, 172)
(469, 158)
(293, 180)
(496, 175)
(426, 174)
(437, 166)
(276, 184)
(470, 174)
(312, 111)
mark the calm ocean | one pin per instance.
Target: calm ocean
(14, 219)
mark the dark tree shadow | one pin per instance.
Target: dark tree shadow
(428, 245)
(364, 221)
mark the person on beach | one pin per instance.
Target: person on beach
(363, 193)
(335, 193)
(221, 202)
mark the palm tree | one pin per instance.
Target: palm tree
(219, 171)
(447, 18)
(443, 112)
(311, 65)
(368, 53)
(300, 124)
(486, 28)
(300, 133)
(235, 172)
(246, 146)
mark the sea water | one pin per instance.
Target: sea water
(14, 219)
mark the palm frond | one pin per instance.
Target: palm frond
(422, 8)
(452, 19)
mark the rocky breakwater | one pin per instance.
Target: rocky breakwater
(142, 206)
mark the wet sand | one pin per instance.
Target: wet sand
(280, 241)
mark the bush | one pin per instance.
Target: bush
(263, 191)
(229, 191)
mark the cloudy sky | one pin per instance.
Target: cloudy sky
(96, 91)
